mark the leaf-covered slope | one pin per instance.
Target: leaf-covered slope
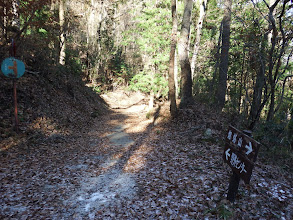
(47, 103)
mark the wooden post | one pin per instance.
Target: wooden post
(233, 187)
(14, 67)
(15, 106)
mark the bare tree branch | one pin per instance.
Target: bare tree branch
(286, 66)
(255, 6)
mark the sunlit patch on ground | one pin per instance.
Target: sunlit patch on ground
(9, 143)
(137, 159)
(109, 187)
(100, 192)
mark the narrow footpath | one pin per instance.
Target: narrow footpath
(125, 165)
(114, 184)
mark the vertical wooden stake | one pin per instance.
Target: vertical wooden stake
(13, 53)
(233, 187)
(15, 106)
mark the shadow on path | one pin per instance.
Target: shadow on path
(114, 184)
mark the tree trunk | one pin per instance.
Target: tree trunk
(202, 12)
(271, 112)
(217, 56)
(223, 67)
(280, 41)
(186, 92)
(151, 100)
(4, 26)
(15, 19)
(171, 81)
(176, 74)
(152, 93)
(273, 42)
(53, 5)
(258, 88)
(62, 34)
(241, 82)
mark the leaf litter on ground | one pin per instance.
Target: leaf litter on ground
(172, 170)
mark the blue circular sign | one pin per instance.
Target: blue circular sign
(12, 68)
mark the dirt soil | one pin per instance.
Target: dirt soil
(120, 164)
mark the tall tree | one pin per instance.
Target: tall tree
(257, 103)
(202, 12)
(149, 40)
(171, 81)
(62, 33)
(280, 41)
(186, 80)
(223, 67)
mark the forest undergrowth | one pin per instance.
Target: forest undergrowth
(63, 165)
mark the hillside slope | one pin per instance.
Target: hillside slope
(48, 103)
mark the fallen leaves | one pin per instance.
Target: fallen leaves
(171, 170)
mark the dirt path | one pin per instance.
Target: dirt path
(113, 185)
(74, 176)
(125, 166)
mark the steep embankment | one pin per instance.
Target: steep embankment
(48, 104)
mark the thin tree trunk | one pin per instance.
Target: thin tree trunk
(217, 55)
(171, 81)
(270, 115)
(152, 93)
(273, 41)
(241, 82)
(151, 100)
(273, 13)
(202, 12)
(186, 92)
(62, 34)
(15, 19)
(246, 98)
(52, 6)
(4, 21)
(176, 74)
(223, 67)
(258, 88)
(274, 57)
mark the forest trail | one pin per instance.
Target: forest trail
(114, 184)
(126, 166)
(80, 174)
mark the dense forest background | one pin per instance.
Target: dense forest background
(233, 55)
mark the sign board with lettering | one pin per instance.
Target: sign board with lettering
(12, 68)
(240, 153)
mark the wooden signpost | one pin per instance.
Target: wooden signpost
(14, 69)
(240, 153)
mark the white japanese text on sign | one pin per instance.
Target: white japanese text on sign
(240, 153)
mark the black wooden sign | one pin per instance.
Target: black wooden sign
(240, 153)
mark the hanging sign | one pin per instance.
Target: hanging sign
(12, 68)
(240, 153)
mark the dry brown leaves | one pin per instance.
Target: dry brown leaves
(174, 168)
